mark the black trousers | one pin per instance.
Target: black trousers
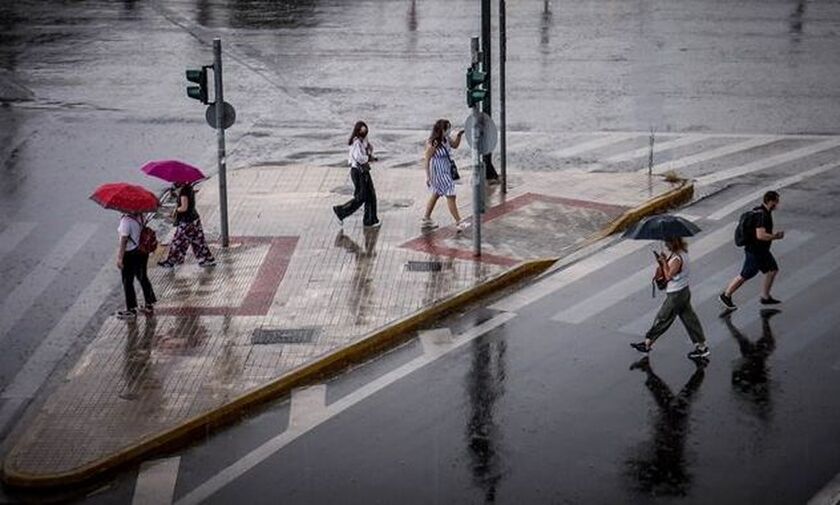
(134, 267)
(363, 194)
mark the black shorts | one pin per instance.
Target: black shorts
(755, 262)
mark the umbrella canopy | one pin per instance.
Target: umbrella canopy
(125, 197)
(661, 227)
(173, 171)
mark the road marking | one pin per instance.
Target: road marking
(156, 482)
(829, 494)
(568, 275)
(638, 281)
(437, 341)
(263, 452)
(767, 162)
(24, 295)
(712, 286)
(52, 349)
(13, 235)
(603, 141)
(710, 154)
(757, 194)
(307, 407)
(657, 148)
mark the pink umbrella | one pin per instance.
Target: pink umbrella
(173, 171)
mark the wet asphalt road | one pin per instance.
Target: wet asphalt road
(541, 403)
(92, 90)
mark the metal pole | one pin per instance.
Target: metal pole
(220, 136)
(477, 168)
(502, 111)
(486, 52)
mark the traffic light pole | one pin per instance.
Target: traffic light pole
(220, 136)
(502, 111)
(486, 52)
(478, 174)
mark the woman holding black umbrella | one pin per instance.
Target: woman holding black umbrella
(675, 271)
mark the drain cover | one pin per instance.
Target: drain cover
(263, 336)
(424, 266)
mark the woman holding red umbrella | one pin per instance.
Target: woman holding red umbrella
(132, 262)
(132, 259)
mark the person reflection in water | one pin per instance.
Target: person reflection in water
(361, 288)
(660, 467)
(750, 378)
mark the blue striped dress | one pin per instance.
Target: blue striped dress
(441, 172)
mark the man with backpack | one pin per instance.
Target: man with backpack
(755, 233)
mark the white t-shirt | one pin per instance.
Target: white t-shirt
(679, 281)
(129, 227)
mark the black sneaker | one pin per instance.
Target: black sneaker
(699, 352)
(726, 301)
(166, 264)
(641, 347)
(770, 301)
(126, 314)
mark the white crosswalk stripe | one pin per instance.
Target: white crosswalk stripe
(637, 281)
(658, 148)
(13, 235)
(720, 152)
(591, 145)
(16, 305)
(712, 285)
(761, 164)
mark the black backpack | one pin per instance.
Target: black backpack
(745, 231)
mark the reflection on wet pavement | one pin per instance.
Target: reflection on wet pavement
(660, 467)
(751, 378)
(485, 386)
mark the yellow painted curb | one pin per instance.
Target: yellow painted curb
(669, 200)
(361, 350)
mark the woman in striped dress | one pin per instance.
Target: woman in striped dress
(438, 165)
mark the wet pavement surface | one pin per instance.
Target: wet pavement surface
(92, 90)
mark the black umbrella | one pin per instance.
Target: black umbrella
(661, 227)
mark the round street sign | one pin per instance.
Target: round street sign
(229, 116)
(488, 133)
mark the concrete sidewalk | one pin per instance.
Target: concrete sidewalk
(296, 296)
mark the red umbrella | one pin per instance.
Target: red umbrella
(125, 197)
(173, 171)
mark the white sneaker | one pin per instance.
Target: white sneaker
(462, 225)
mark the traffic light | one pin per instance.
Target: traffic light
(475, 85)
(199, 77)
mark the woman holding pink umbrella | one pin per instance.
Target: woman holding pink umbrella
(188, 231)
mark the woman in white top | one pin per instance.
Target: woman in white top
(677, 302)
(361, 154)
(132, 264)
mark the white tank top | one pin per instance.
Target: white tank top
(680, 281)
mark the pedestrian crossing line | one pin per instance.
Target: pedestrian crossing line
(14, 235)
(657, 149)
(754, 196)
(53, 348)
(720, 152)
(637, 281)
(33, 285)
(563, 278)
(156, 482)
(772, 161)
(603, 141)
(229, 474)
(710, 287)
(307, 407)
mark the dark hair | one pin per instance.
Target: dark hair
(771, 196)
(439, 131)
(356, 131)
(676, 244)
